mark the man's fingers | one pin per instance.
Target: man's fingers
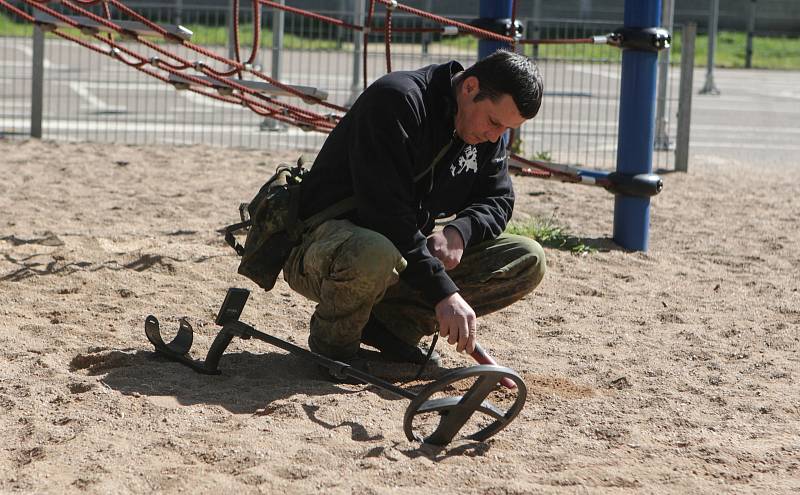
(462, 340)
(463, 335)
(471, 343)
(450, 332)
(473, 333)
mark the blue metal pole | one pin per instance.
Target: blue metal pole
(493, 9)
(636, 126)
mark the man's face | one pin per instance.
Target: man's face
(485, 120)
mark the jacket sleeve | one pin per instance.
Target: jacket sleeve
(491, 202)
(381, 166)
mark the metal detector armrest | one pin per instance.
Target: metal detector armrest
(232, 306)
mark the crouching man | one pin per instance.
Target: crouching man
(416, 147)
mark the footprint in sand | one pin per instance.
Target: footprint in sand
(49, 239)
(100, 361)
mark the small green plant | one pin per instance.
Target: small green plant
(516, 145)
(549, 234)
(544, 156)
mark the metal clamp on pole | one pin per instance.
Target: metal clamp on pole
(650, 39)
(640, 185)
(499, 26)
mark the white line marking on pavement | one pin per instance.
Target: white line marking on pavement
(594, 72)
(95, 103)
(47, 64)
(789, 94)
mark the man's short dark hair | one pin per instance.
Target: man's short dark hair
(508, 73)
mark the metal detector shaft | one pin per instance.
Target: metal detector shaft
(482, 357)
(333, 365)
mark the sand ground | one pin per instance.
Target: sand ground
(670, 371)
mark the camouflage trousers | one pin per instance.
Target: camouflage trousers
(352, 272)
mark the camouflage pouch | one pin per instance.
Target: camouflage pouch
(273, 227)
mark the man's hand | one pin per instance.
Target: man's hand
(447, 246)
(457, 322)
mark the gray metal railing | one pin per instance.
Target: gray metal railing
(87, 96)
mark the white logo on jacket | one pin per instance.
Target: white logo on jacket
(467, 161)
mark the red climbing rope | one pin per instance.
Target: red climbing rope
(312, 15)
(171, 64)
(462, 27)
(388, 38)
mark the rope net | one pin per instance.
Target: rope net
(207, 77)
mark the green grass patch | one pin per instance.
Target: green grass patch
(469, 43)
(769, 52)
(10, 28)
(547, 233)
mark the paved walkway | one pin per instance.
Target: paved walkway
(756, 117)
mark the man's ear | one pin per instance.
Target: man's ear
(471, 86)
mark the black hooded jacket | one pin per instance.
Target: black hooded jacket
(391, 135)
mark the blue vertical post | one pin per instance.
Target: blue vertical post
(493, 9)
(636, 126)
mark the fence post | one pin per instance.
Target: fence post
(751, 27)
(231, 29)
(493, 9)
(427, 38)
(685, 98)
(278, 20)
(37, 82)
(178, 12)
(636, 126)
(341, 10)
(536, 32)
(662, 121)
(709, 87)
(358, 47)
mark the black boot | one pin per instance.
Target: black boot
(360, 362)
(392, 348)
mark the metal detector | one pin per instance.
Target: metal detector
(453, 411)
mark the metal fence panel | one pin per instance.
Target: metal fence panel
(89, 96)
